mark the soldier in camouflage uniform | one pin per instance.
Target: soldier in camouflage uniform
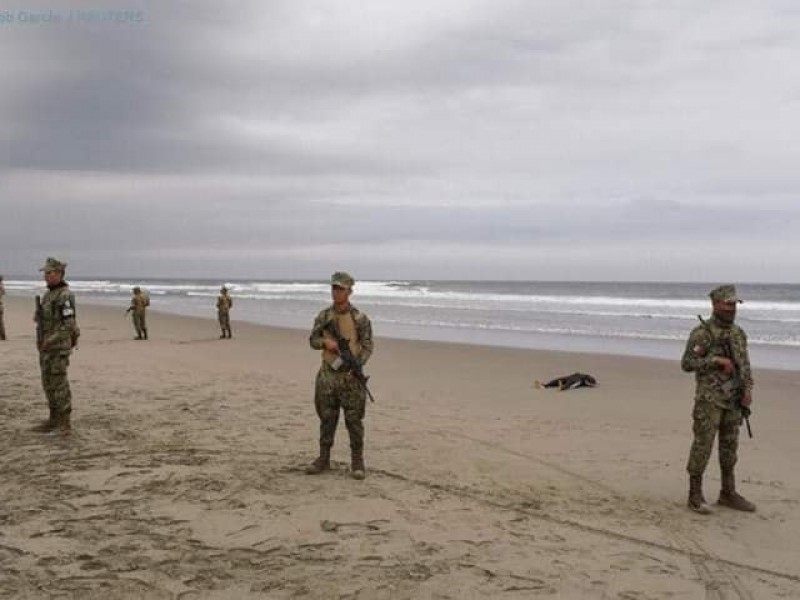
(224, 304)
(59, 328)
(335, 389)
(2, 324)
(717, 354)
(139, 304)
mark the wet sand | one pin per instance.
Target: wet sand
(184, 475)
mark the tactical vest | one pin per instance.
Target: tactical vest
(59, 318)
(347, 328)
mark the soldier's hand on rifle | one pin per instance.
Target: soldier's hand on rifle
(747, 398)
(726, 364)
(330, 345)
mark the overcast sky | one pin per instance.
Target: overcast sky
(468, 139)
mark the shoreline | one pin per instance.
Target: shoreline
(773, 359)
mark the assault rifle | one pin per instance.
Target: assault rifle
(734, 385)
(349, 362)
(38, 319)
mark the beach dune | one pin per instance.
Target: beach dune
(184, 475)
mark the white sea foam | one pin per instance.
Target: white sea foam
(624, 311)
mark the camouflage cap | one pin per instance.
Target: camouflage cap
(136, 288)
(342, 279)
(52, 264)
(223, 289)
(724, 293)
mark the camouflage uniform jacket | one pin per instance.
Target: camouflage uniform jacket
(139, 303)
(362, 325)
(59, 321)
(224, 303)
(703, 346)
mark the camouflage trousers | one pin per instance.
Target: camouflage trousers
(2, 324)
(140, 324)
(54, 380)
(335, 391)
(710, 420)
(224, 323)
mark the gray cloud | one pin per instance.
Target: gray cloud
(436, 139)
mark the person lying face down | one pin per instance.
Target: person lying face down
(569, 382)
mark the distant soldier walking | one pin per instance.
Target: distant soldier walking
(336, 388)
(717, 354)
(224, 304)
(2, 324)
(139, 304)
(57, 334)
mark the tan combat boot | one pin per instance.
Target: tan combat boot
(48, 425)
(696, 500)
(728, 496)
(321, 463)
(357, 468)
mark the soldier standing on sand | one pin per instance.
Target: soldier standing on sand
(2, 325)
(139, 304)
(224, 304)
(58, 326)
(717, 354)
(335, 389)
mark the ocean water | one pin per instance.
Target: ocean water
(639, 319)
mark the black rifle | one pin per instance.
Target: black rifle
(737, 387)
(39, 326)
(349, 362)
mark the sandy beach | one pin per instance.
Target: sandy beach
(184, 475)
